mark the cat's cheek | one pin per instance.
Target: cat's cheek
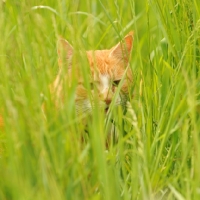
(126, 86)
(81, 93)
(83, 106)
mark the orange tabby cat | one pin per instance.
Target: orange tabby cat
(107, 67)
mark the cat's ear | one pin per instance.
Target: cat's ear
(64, 48)
(123, 49)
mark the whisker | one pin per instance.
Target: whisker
(83, 110)
(86, 107)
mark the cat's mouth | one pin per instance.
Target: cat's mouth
(106, 109)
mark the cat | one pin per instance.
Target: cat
(108, 67)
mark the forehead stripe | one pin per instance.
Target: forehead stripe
(104, 80)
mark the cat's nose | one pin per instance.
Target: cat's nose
(106, 96)
(107, 101)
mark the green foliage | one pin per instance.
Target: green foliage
(50, 156)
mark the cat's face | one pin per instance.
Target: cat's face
(109, 70)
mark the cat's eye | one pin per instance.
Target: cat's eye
(92, 86)
(116, 82)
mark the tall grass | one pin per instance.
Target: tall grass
(50, 155)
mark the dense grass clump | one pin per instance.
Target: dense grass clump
(51, 155)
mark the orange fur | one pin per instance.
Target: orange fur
(107, 68)
(1, 122)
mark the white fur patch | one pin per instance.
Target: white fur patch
(105, 82)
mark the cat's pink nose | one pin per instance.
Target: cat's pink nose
(108, 101)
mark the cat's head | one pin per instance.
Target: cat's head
(109, 70)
